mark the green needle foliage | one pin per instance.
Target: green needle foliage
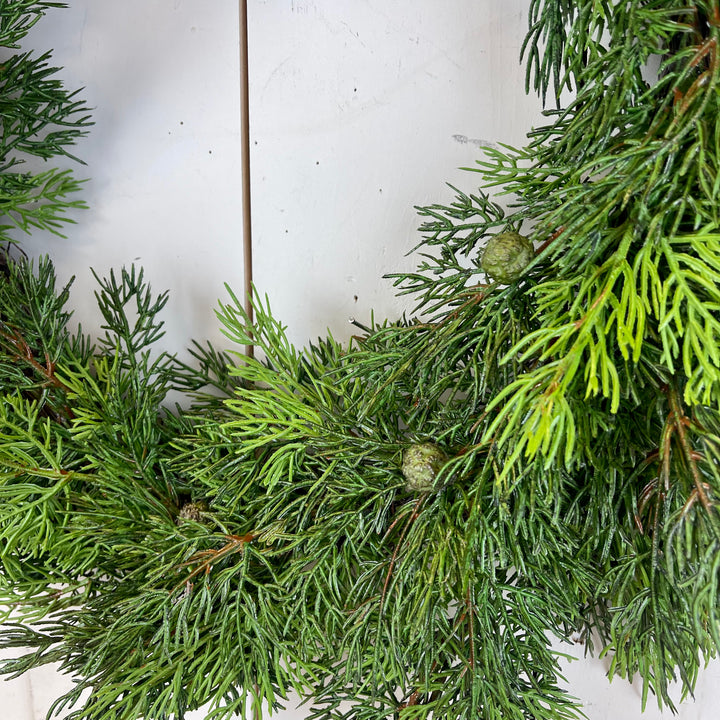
(270, 536)
(40, 119)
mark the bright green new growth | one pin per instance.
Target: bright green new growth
(263, 538)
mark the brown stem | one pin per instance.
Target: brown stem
(411, 519)
(553, 237)
(415, 695)
(208, 558)
(24, 353)
(471, 631)
(677, 424)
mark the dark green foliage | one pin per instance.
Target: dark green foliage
(39, 118)
(264, 538)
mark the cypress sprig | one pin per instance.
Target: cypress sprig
(40, 119)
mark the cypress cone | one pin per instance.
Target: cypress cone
(506, 255)
(420, 466)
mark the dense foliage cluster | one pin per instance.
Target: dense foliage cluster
(39, 119)
(402, 526)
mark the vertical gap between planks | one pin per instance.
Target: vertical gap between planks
(245, 140)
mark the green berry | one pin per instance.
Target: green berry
(421, 465)
(506, 255)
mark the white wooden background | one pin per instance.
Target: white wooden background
(361, 109)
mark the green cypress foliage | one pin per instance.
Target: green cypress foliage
(402, 526)
(39, 119)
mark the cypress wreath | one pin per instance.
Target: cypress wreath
(399, 527)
